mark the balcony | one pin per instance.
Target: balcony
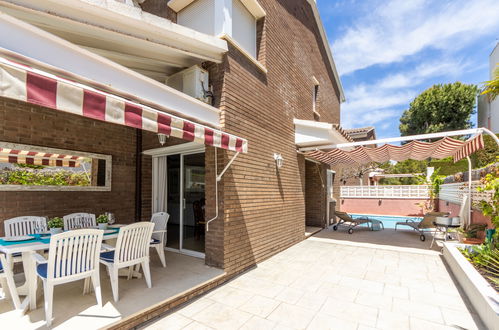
(141, 49)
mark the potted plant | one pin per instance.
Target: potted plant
(470, 235)
(55, 224)
(102, 221)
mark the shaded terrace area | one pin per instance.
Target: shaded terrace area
(73, 310)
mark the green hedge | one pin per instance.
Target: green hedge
(42, 178)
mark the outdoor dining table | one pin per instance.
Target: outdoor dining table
(27, 249)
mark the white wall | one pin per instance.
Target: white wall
(488, 112)
(494, 105)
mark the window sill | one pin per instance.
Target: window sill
(244, 52)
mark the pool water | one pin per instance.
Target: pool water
(389, 221)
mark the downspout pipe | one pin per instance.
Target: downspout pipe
(218, 178)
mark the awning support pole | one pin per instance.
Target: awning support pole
(469, 190)
(219, 177)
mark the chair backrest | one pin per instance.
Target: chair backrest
(343, 216)
(79, 220)
(160, 221)
(74, 253)
(197, 208)
(21, 226)
(133, 243)
(429, 218)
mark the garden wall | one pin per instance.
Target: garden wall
(384, 206)
(453, 208)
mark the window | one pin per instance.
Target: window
(26, 167)
(244, 27)
(234, 20)
(315, 99)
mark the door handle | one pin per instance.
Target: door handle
(184, 203)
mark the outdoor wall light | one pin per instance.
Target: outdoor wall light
(162, 138)
(279, 161)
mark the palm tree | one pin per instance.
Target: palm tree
(492, 87)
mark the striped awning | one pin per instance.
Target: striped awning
(38, 158)
(417, 150)
(21, 82)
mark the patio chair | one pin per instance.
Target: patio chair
(79, 220)
(420, 226)
(21, 226)
(73, 256)
(158, 241)
(346, 219)
(132, 248)
(7, 282)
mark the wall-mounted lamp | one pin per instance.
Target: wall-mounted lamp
(162, 138)
(279, 161)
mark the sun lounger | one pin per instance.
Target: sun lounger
(420, 226)
(346, 220)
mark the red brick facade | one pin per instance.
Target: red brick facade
(262, 209)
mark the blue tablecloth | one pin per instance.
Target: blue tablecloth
(45, 239)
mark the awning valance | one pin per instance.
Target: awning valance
(14, 156)
(24, 83)
(417, 150)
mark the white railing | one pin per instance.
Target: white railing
(399, 191)
(453, 192)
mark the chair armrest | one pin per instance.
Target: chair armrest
(38, 258)
(107, 247)
(159, 231)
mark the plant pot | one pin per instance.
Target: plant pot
(54, 231)
(102, 226)
(473, 241)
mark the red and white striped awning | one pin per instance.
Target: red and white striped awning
(38, 158)
(21, 82)
(417, 150)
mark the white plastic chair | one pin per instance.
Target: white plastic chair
(22, 226)
(79, 220)
(132, 248)
(73, 256)
(158, 241)
(7, 282)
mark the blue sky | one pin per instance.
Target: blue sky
(389, 51)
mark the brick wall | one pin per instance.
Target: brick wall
(315, 194)
(33, 125)
(264, 208)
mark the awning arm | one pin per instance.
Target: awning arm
(219, 177)
(402, 139)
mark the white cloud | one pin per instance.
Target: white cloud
(396, 29)
(371, 104)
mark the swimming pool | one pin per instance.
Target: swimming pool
(389, 221)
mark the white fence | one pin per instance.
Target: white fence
(453, 192)
(399, 191)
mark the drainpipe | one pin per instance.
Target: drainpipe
(218, 177)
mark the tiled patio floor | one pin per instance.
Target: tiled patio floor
(326, 284)
(72, 310)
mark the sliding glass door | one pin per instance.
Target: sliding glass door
(184, 200)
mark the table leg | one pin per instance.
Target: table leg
(31, 280)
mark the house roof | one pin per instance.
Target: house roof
(313, 4)
(361, 132)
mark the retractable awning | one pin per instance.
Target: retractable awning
(14, 156)
(360, 154)
(32, 85)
